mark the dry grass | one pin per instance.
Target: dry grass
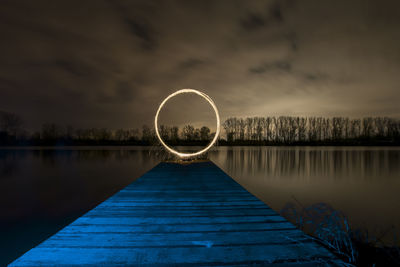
(331, 228)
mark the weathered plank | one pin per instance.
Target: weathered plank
(178, 215)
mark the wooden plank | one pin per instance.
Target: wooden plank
(183, 227)
(178, 215)
(175, 220)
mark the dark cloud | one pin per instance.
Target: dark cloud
(281, 65)
(276, 12)
(73, 67)
(293, 41)
(121, 92)
(253, 22)
(190, 63)
(125, 91)
(285, 67)
(314, 76)
(143, 31)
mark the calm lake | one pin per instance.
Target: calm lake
(44, 189)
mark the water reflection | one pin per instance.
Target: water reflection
(362, 182)
(101, 154)
(43, 189)
(9, 162)
(295, 162)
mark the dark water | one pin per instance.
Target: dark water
(362, 182)
(42, 190)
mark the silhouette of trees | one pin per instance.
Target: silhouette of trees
(10, 123)
(241, 131)
(204, 133)
(188, 135)
(188, 132)
(290, 130)
(174, 133)
(165, 132)
(10, 127)
(148, 135)
(51, 131)
(123, 135)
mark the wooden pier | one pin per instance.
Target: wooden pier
(178, 215)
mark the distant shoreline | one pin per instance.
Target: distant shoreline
(221, 143)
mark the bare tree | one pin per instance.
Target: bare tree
(133, 134)
(267, 130)
(188, 132)
(10, 123)
(381, 126)
(165, 132)
(355, 128)
(367, 127)
(302, 128)
(229, 129)
(51, 131)
(148, 134)
(174, 133)
(204, 133)
(337, 128)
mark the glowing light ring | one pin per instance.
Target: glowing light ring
(210, 101)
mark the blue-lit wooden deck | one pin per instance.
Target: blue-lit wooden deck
(178, 215)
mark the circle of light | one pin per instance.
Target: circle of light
(210, 101)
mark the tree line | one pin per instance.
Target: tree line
(13, 133)
(281, 130)
(297, 130)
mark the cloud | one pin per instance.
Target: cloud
(123, 92)
(270, 16)
(96, 63)
(190, 63)
(312, 77)
(143, 31)
(293, 41)
(276, 12)
(253, 22)
(282, 65)
(73, 67)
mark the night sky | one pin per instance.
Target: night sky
(111, 63)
